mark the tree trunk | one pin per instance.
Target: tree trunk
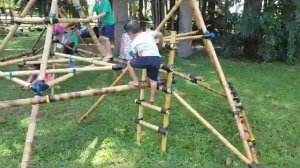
(121, 15)
(185, 25)
(252, 7)
(141, 7)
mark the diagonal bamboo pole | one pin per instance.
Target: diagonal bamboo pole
(35, 108)
(15, 26)
(214, 59)
(19, 81)
(15, 56)
(38, 39)
(169, 15)
(89, 60)
(168, 95)
(93, 35)
(72, 95)
(211, 128)
(94, 106)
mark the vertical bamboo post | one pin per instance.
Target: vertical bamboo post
(93, 35)
(168, 95)
(35, 108)
(91, 109)
(141, 108)
(170, 14)
(215, 61)
(15, 26)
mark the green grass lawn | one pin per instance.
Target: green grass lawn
(269, 92)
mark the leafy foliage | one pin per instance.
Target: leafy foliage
(276, 30)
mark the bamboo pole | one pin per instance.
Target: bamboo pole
(199, 81)
(38, 39)
(19, 82)
(16, 61)
(87, 52)
(153, 107)
(169, 15)
(168, 95)
(186, 38)
(35, 108)
(148, 125)
(72, 95)
(89, 60)
(101, 98)
(60, 20)
(214, 59)
(2, 121)
(184, 34)
(15, 56)
(93, 35)
(14, 29)
(211, 128)
(49, 61)
(141, 108)
(54, 71)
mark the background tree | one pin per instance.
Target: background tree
(185, 25)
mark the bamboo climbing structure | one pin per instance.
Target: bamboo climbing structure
(93, 62)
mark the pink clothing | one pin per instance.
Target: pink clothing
(48, 78)
(58, 28)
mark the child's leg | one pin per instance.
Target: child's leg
(135, 80)
(153, 87)
(153, 71)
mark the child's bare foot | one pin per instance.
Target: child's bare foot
(107, 58)
(151, 102)
(134, 83)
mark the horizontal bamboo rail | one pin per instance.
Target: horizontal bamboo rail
(72, 95)
(149, 125)
(20, 60)
(54, 71)
(211, 128)
(198, 37)
(89, 60)
(49, 61)
(42, 20)
(184, 34)
(152, 107)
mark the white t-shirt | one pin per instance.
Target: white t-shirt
(144, 44)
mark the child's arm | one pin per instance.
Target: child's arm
(160, 38)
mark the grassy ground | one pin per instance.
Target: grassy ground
(270, 93)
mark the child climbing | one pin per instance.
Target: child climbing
(147, 55)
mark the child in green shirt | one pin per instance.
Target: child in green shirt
(104, 13)
(70, 39)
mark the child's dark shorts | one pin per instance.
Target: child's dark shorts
(151, 63)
